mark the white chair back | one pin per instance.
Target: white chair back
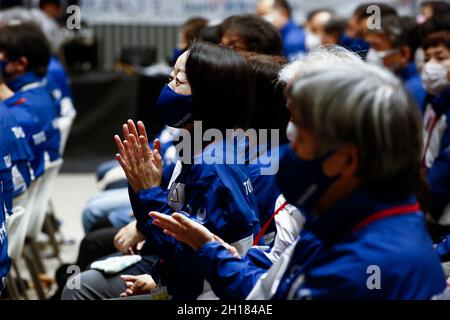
(15, 225)
(19, 228)
(40, 205)
(65, 125)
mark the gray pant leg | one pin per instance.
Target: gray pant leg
(139, 297)
(93, 285)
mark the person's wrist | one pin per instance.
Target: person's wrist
(204, 242)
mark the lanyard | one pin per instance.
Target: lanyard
(267, 224)
(390, 212)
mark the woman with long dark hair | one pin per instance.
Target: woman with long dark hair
(211, 86)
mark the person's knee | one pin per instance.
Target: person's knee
(83, 286)
(73, 289)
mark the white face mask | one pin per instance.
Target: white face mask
(373, 57)
(376, 57)
(312, 41)
(291, 131)
(273, 18)
(434, 78)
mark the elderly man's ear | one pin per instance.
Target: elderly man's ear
(344, 162)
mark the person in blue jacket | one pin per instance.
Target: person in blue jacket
(15, 157)
(357, 26)
(58, 83)
(351, 173)
(5, 261)
(24, 57)
(218, 195)
(391, 47)
(279, 13)
(436, 79)
(269, 118)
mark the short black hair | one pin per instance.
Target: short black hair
(260, 35)
(335, 25)
(43, 3)
(385, 10)
(193, 28)
(26, 40)
(221, 85)
(393, 28)
(284, 4)
(436, 39)
(311, 14)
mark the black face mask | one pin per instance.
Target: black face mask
(303, 182)
(175, 109)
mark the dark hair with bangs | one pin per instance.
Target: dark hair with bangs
(260, 36)
(436, 39)
(26, 40)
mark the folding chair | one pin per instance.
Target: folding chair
(37, 219)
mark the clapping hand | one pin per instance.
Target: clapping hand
(187, 231)
(142, 166)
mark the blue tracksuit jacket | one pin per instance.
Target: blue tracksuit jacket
(219, 196)
(16, 153)
(333, 259)
(36, 111)
(5, 261)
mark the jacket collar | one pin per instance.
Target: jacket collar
(288, 27)
(27, 79)
(409, 71)
(441, 103)
(347, 213)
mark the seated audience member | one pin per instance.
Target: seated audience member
(210, 193)
(389, 47)
(24, 57)
(32, 129)
(56, 79)
(436, 79)
(357, 25)
(52, 8)
(314, 27)
(270, 113)
(5, 261)
(432, 25)
(15, 156)
(334, 34)
(190, 31)
(364, 214)
(250, 33)
(269, 118)
(279, 14)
